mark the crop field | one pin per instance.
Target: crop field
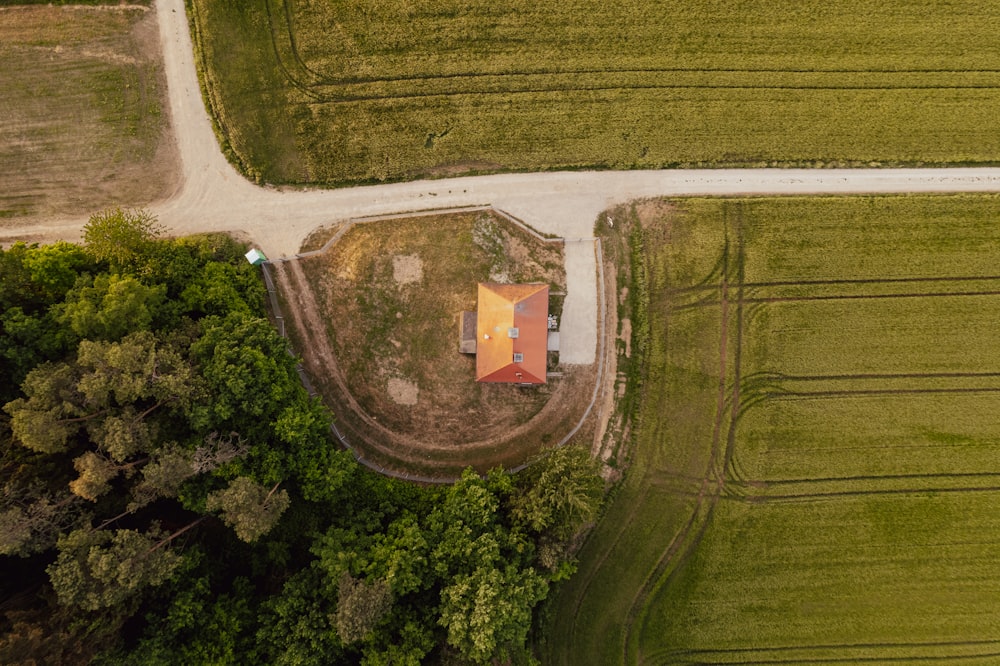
(343, 92)
(817, 461)
(81, 126)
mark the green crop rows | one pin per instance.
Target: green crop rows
(343, 92)
(817, 467)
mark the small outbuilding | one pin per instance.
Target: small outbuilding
(255, 257)
(512, 333)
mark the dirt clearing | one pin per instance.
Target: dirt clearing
(376, 320)
(82, 120)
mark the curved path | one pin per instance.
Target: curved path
(214, 197)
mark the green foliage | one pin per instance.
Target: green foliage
(54, 268)
(488, 611)
(560, 492)
(109, 307)
(53, 412)
(168, 397)
(201, 625)
(97, 569)
(120, 237)
(297, 629)
(360, 607)
(247, 369)
(248, 507)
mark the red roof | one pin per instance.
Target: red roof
(512, 332)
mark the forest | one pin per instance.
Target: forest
(169, 492)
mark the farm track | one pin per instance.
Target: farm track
(323, 88)
(654, 478)
(798, 654)
(713, 485)
(756, 297)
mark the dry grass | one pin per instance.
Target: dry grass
(82, 126)
(391, 293)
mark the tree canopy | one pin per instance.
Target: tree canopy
(162, 468)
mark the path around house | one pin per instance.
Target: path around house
(214, 197)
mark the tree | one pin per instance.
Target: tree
(560, 492)
(120, 236)
(401, 556)
(360, 606)
(169, 467)
(108, 307)
(297, 629)
(96, 472)
(488, 613)
(248, 371)
(54, 410)
(97, 569)
(32, 520)
(248, 507)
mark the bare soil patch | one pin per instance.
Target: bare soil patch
(403, 391)
(84, 124)
(382, 344)
(407, 269)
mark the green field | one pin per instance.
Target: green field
(344, 92)
(817, 461)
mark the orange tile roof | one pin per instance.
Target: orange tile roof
(512, 319)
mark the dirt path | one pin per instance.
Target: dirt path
(213, 197)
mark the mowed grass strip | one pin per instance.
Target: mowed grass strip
(856, 514)
(681, 433)
(340, 93)
(81, 121)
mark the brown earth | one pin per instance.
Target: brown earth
(83, 123)
(384, 353)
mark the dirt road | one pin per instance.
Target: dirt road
(213, 197)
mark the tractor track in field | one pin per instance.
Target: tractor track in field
(680, 548)
(852, 297)
(849, 393)
(839, 282)
(703, 482)
(315, 79)
(755, 491)
(693, 656)
(781, 377)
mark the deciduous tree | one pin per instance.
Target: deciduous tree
(488, 612)
(248, 507)
(120, 236)
(97, 569)
(360, 606)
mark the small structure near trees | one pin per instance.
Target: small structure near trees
(255, 257)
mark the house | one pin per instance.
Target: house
(512, 333)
